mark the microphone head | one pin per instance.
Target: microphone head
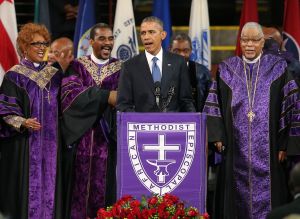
(157, 88)
(157, 84)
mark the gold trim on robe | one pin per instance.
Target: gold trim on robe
(14, 121)
(41, 78)
(106, 70)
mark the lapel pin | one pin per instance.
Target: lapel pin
(169, 64)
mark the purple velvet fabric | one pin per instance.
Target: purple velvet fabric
(88, 193)
(42, 143)
(290, 107)
(251, 161)
(212, 107)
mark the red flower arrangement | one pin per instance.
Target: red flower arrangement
(163, 207)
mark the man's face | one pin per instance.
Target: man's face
(54, 52)
(182, 47)
(251, 43)
(152, 36)
(102, 43)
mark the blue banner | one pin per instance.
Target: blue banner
(163, 153)
(161, 9)
(85, 20)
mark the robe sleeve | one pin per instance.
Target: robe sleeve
(12, 105)
(213, 110)
(289, 124)
(82, 106)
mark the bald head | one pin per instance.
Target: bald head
(272, 33)
(60, 47)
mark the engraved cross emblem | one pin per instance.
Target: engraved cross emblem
(161, 163)
(251, 116)
(162, 148)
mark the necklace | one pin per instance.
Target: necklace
(48, 92)
(250, 113)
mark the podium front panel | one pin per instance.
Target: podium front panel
(162, 153)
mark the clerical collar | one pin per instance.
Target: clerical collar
(251, 61)
(297, 195)
(98, 61)
(36, 64)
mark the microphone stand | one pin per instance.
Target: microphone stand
(157, 93)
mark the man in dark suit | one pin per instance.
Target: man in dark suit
(200, 81)
(293, 207)
(199, 75)
(155, 80)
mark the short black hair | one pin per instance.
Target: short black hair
(154, 19)
(181, 37)
(99, 26)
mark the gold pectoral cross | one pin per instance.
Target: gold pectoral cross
(251, 116)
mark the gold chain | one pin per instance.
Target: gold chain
(251, 98)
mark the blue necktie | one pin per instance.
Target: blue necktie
(155, 70)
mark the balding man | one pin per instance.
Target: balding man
(249, 111)
(61, 51)
(273, 45)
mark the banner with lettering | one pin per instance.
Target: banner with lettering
(162, 153)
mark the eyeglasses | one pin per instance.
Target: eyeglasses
(39, 44)
(254, 41)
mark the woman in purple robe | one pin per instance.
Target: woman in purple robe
(29, 131)
(88, 126)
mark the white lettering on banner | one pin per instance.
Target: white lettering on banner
(160, 127)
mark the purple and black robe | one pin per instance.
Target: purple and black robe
(251, 180)
(87, 130)
(28, 163)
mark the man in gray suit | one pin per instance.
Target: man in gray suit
(155, 80)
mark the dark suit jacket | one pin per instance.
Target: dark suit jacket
(285, 210)
(136, 87)
(200, 81)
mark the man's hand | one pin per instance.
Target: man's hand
(281, 156)
(112, 99)
(32, 123)
(219, 146)
(64, 59)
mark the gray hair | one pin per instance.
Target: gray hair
(154, 19)
(253, 25)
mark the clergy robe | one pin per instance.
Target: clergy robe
(28, 161)
(251, 180)
(84, 99)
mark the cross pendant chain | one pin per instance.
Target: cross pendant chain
(251, 97)
(48, 97)
(251, 115)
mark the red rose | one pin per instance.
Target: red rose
(205, 215)
(192, 213)
(170, 199)
(135, 204)
(153, 200)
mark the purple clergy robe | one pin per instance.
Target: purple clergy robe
(29, 157)
(87, 88)
(251, 180)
